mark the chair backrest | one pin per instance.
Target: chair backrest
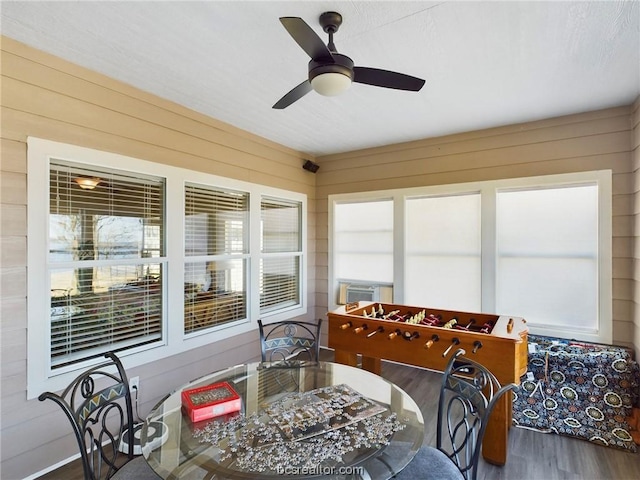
(98, 405)
(468, 394)
(285, 340)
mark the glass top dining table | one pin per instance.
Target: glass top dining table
(292, 419)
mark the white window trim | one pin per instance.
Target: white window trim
(488, 191)
(40, 378)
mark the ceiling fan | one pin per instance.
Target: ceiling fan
(330, 72)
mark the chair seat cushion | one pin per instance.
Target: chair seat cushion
(431, 463)
(136, 469)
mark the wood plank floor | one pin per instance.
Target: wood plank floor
(532, 455)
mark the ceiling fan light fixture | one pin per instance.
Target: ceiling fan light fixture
(330, 84)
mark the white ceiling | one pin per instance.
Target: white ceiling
(486, 64)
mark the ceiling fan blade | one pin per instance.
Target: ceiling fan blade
(385, 78)
(309, 40)
(295, 94)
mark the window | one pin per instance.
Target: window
(105, 261)
(547, 255)
(149, 260)
(363, 241)
(537, 247)
(281, 248)
(217, 248)
(442, 267)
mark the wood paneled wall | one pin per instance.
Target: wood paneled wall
(590, 141)
(45, 97)
(634, 267)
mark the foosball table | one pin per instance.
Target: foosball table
(426, 338)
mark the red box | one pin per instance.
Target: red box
(210, 401)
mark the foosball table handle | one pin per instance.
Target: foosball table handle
(454, 341)
(377, 330)
(394, 334)
(433, 340)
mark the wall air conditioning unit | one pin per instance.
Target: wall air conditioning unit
(362, 293)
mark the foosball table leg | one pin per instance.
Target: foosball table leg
(373, 365)
(346, 358)
(494, 444)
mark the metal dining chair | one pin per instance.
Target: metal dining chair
(468, 395)
(98, 406)
(289, 339)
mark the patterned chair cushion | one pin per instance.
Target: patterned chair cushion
(580, 390)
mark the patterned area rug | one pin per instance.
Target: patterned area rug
(581, 390)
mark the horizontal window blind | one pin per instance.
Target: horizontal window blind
(279, 283)
(216, 221)
(215, 293)
(216, 231)
(281, 220)
(106, 249)
(281, 244)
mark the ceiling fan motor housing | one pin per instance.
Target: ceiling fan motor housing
(343, 65)
(330, 21)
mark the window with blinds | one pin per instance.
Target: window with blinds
(281, 252)
(216, 247)
(106, 260)
(443, 251)
(547, 255)
(363, 241)
(150, 260)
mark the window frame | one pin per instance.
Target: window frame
(40, 376)
(488, 191)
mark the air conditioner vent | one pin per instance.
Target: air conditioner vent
(364, 293)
